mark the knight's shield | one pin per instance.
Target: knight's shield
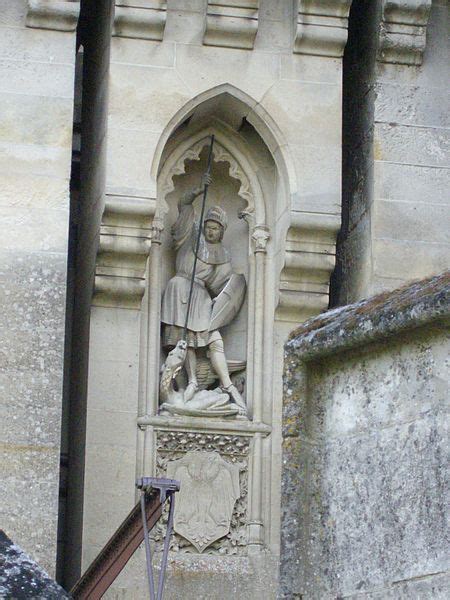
(209, 488)
(228, 303)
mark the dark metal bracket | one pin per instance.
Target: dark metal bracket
(167, 489)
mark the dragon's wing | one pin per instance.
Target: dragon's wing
(206, 375)
(234, 366)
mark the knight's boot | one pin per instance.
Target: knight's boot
(190, 391)
(236, 397)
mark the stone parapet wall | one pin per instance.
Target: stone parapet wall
(364, 434)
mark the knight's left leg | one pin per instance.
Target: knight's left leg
(219, 363)
(191, 369)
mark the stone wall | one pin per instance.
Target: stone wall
(364, 449)
(37, 74)
(396, 147)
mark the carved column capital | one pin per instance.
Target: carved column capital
(260, 237)
(156, 231)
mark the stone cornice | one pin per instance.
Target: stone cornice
(60, 15)
(322, 27)
(192, 424)
(403, 30)
(231, 26)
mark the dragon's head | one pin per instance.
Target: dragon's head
(176, 357)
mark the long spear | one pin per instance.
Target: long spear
(197, 244)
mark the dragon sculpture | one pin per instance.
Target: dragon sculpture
(206, 402)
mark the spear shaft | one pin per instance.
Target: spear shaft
(197, 243)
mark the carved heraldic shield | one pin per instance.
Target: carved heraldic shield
(228, 303)
(208, 492)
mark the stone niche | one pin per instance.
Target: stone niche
(231, 447)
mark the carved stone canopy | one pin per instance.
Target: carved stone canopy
(220, 154)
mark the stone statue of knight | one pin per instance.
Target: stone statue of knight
(214, 282)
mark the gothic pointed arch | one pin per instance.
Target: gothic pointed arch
(229, 147)
(245, 107)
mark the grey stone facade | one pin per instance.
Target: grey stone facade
(325, 113)
(37, 71)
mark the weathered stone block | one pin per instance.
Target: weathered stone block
(252, 72)
(140, 52)
(318, 69)
(416, 146)
(27, 77)
(412, 105)
(425, 222)
(418, 184)
(428, 258)
(129, 159)
(363, 453)
(308, 113)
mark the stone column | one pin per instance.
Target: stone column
(153, 343)
(260, 237)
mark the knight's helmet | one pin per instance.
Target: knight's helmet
(217, 214)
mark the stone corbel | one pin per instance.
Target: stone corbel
(61, 15)
(138, 22)
(125, 240)
(403, 31)
(230, 24)
(322, 27)
(308, 263)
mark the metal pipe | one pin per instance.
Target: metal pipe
(148, 554)
(166, 546)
